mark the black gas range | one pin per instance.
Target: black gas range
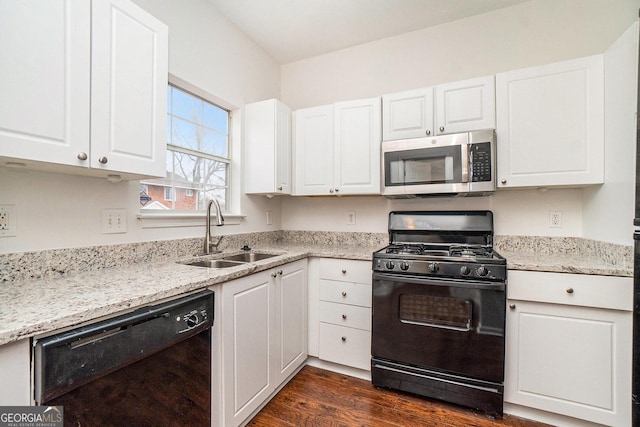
(439, 300)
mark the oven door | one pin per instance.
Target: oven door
(426, 165)
(446, 325)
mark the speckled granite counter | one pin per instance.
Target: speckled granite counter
(44, 291)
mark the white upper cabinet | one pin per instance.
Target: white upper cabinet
(85, 86)
(466, 105)
(267, 148)
(45, 83)
(357, 147)
(407, 114)
(337, 149)
(313, 146)
(448, 108)
(550, 124)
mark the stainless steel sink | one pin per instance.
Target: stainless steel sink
(214, 263)
(230, 260)
(248, 257)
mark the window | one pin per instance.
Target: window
(198, 156)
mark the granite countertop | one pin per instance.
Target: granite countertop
(42, 305)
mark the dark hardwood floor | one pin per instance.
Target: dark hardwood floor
(316, 397)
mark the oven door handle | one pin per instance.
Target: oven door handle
(439, 281)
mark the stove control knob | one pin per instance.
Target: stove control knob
(433, 268)
(404, 265)
(192, 320)
(464, 270)
(390, 265)
(482, 271)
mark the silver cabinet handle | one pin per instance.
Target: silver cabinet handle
(82, 156)
(441, 128)
(569, 290)
(103, 160)
(344, 293)
(503, 181)
(343, 339)
(512, 306)
(344, 317)
(428, 132)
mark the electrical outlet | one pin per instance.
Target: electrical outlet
(555, 219)
(351, 217)
(114, 221)
(8, 220)
(269, 217)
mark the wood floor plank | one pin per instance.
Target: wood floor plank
(321, 398)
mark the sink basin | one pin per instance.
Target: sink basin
(214, 263)
(248, 257)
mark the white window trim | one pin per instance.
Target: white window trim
(233, 215)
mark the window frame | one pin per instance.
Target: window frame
(232, 211)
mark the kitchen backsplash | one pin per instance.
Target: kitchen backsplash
(62, 262)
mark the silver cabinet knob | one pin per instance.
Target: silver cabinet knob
(103, 160)
(344, 271)
(82, 156)
(280, 188)
(344, 317)
(503, 181)
(343, 339)
(273, 274)
(428, 132)
(512, 306)
(331, 190)
(569, 290)
(344, 293)
(441, 128)
(337, 189)
(279, 272)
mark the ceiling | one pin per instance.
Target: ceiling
(291, 30)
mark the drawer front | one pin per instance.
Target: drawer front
(571, 289)
(350, 316)
(345, 270)
(345, 293)
(347, 346)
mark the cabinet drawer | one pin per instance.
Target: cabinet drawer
(345, 270)
(571, 289)
(345, 293)
(345, 315)
(347, 346)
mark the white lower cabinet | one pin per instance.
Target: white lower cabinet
(263, 337)
(568, 345)
(344, 312)
(15, 373)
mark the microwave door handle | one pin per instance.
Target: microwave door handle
(465, 153)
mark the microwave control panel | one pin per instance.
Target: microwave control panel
(480, 160)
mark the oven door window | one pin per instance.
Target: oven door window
(438, 165)
(439, 312)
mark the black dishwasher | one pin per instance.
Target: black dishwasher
(151, 367)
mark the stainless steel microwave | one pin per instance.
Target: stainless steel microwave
(461, 164)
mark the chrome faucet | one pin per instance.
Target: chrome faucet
(207, 233)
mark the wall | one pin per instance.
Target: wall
(60, 211)
(532, 33)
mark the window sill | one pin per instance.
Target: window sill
(170, 220)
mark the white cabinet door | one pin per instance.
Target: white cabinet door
(15, 374)
(465, 105)
(291, 297)
(407, 114)
(550, 124)
(314, 151)
(267, 148)
(247, 317)
(568, 345)
(357, 147)
(129, 56)
(44, 64)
